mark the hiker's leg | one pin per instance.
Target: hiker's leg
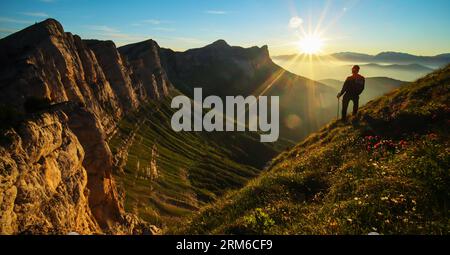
(355, 105)
(345, 102)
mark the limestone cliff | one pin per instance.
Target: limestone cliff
(43, 61)
(117, 72)
(103, 198)
(144, 59)
(90, 86)
(43, 184)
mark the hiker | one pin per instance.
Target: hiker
(353, 87)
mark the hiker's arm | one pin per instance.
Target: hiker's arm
(344, 89)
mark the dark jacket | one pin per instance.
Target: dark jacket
(353, 86)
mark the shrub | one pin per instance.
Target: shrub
(259, 221)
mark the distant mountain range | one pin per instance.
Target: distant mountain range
(388, 57)
(398, 67)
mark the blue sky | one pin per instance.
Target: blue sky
(369, 26)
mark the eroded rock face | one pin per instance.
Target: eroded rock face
(144, 60)
(56, 174)
(116, 71)
(98, 162)
(43, 184)
(218, 68)
(45, 62)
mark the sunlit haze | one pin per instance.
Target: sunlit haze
(366, 26)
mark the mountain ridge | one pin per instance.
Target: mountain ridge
(381, 54)
(250, 71)
(45, 68)
(390, 57)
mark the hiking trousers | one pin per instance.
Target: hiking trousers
(345, 101)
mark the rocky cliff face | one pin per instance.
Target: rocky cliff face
(147, 71)
(219, 68)
(45, 62)
(117, 72)
(56, 174)
(43, 187)
(103, 198)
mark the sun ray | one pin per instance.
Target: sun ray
(322, 17)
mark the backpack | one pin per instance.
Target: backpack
(355, 86)
(359, 84)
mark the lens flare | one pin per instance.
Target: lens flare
(311, 44)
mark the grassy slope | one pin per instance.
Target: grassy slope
(193, 168)
(342, 181)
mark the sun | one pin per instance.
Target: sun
(311, 44)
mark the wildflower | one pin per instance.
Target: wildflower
(432, 136)
(349, 220)
(387, 221)
(380, 213)
(384, 198)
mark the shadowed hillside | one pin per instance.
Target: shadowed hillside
(387, 171)
(224, 70)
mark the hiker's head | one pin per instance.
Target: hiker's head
(355, 69)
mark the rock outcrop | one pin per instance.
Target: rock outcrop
(56, 173)
(103, 199)
(43, 184)
(43, 61)
(220, 69)
(117, 73)
(144, 59)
